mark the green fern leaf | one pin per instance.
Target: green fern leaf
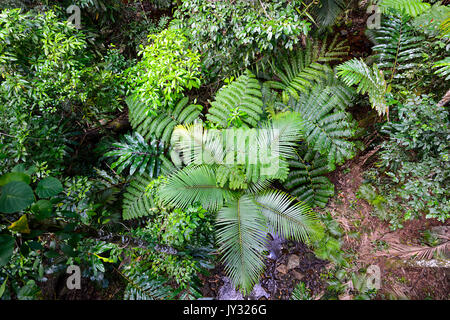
(398, 50)
(443, 68)
(143, 287)
(300, 71)
(161, 124)
(410, 7)
(327, 129)
(137, 202)
(307, 180)
(137, 154)
(356, 72)
(245, 94)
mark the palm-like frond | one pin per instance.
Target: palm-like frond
(327, 129)
(356, 72)
(410, 7)
(197, 145)
(257, 151)
(398, 49)
(194, 184)
(136, 200)
(418, 252)
(242, 238)
(137, 154)
(161, 124)
(307, 180)
(244, 94)
(143, 287)
(291, 219)
(301, 70)
(443, 68)
(445, 27)
(329, 11)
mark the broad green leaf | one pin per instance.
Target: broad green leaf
(15, 196)
(6, 248)
(42, 209)
(14, 176)
(49, 187)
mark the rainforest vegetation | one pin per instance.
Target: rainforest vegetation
(224, 149)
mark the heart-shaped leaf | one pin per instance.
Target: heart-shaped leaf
(14, 176)
(15, 196)
(48, 187)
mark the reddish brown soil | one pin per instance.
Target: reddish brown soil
(353, 214)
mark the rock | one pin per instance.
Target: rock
(228, 292)
(282, 269)
(293, 262)
(258, 292)
(297, 275)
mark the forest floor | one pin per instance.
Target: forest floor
(354, 214)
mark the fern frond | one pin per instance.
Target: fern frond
(291, 219)
(300, 71)
(410, 7)
(398, 49)
(327, 129)
(142, 287)
(301, 292)
(445, 28)
(242, 235)
(194, 184)
(137, 154)
(307, 180)
(246, 154)
(356, 72)
(136, 200)
(329, 11)
(245, 94)
(161, 124)
(443, 68)
(418, 252)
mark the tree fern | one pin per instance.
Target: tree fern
(160, 125)
(137, 202)
(307, 180)
(370, 81)
(244, 155)
(410, 7)
(327, 129)
(301, 70)
(443, 68)
(397, 47)
(243, 94)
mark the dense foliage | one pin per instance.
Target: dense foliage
(160, 142)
